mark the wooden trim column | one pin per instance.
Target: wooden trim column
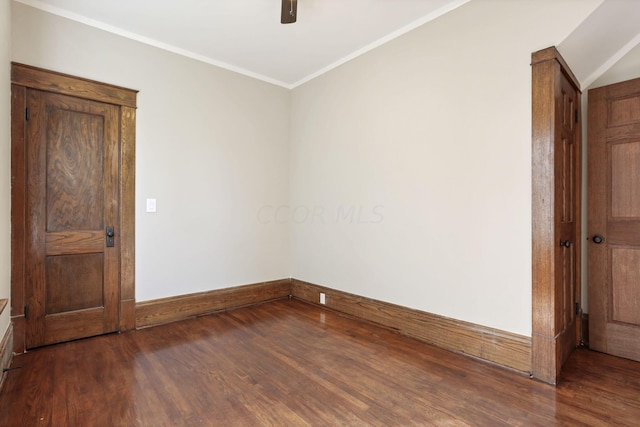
(552, 340)
(127, 218)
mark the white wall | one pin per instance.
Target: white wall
(5, 161)
(428, 140)
(212, 148)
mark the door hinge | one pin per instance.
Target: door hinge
(26, 311)
(577, 308)
(26, 114)
(577, 116)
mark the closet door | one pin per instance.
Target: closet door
(72, 267)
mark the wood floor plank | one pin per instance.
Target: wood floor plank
(287, 363)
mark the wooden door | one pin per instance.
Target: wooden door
(567, 194)
(614, 219)
(72, 162)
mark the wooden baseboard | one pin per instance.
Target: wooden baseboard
(492, 345)
(6, 352)
(172, 309)
(500, 347)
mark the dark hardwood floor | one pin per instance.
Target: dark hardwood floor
(287, 363)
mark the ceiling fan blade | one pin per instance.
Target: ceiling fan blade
(289, 11)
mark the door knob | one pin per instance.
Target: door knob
(597, 239)
(565, 243)
(110, 234)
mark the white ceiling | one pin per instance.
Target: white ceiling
(602, 39)
(246, 35)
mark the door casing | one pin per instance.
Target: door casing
(553, 339)
(23, 77)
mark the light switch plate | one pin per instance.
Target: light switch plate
(151, 205)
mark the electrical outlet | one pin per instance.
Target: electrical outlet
(322, 298)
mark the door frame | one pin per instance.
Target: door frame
(550, 346)
(25, 77)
